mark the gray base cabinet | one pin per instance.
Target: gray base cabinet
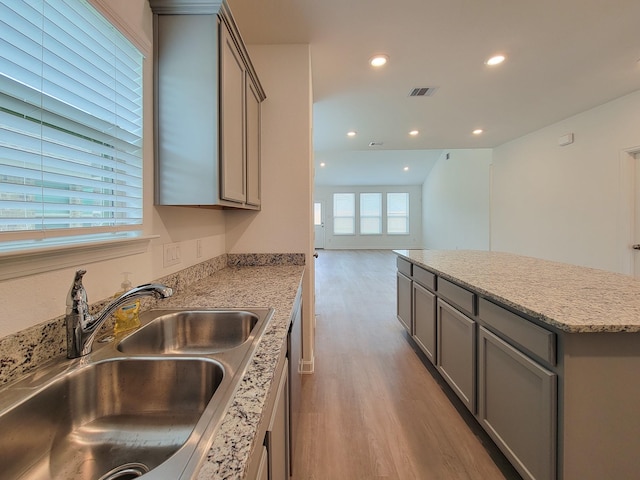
(456, 346)
(277, 437)
(424, 316)
(272, 460)
(263, 466)
(517, 406)
(295, 379)
(277, 428)
(560, 405)
(404, 302)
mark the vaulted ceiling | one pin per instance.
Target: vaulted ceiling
(562, 57)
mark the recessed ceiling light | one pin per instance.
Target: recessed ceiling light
(378, 60)
(495, 60)
(477, 131)
(413, 133)
(322, 164)
(406, 169)
(352, 133)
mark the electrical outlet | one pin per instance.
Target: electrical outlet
(171, 254)
(198, 248)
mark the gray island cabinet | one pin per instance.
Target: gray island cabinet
(545, 355)
(207, 108)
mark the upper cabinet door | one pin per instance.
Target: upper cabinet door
(253, 144)
(232, 114)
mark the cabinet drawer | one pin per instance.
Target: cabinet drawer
(424, 277)
(457, 295)
(404, 266)
(536, 340)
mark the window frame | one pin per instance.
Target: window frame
(343, 217)
(406, 214)
(364, 217)
(34, 256)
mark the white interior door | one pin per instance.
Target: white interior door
(318, 224)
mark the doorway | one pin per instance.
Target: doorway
(318, 225)
(636, 214)
(629, 211)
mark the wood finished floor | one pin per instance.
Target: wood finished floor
(372, 409)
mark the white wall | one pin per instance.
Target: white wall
(568, 203)
(284, 223)
(384, 241)
(456, 201)
(281, 225)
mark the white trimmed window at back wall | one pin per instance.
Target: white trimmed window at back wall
(375, 225)
(370, 213)
(71, 123)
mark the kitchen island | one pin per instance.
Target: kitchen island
(545, 355)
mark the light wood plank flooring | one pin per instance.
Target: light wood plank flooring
(372, 409)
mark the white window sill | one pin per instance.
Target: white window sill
(29, 262)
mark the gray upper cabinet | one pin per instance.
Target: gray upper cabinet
(232, 114)
(254, 127)
(207, 118)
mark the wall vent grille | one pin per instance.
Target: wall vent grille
(422, 91)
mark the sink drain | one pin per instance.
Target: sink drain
(128, 471)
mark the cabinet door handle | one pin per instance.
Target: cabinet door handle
(636, 246)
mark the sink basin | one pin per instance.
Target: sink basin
(192, 332)
(114, 419)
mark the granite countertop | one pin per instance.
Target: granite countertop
(570, 298)
(245, 287)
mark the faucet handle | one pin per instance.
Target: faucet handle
(78, 277)
(77, 297)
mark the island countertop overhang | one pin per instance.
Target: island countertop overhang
(570, 298)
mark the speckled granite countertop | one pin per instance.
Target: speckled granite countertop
(571, 298)
(245, 287)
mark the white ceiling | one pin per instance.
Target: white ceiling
(563, 57)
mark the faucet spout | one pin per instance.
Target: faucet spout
(82, 326)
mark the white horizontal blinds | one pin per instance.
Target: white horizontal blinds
(397, 213)
(344, 213)
(70, 120)
(370, 213)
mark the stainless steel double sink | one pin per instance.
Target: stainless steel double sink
(146, 403)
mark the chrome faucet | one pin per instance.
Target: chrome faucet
(82, 326)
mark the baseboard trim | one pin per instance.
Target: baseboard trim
(306, 366)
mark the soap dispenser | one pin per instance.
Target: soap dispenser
(127, 316)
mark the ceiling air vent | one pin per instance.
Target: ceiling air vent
(375, 144)
(422, 91)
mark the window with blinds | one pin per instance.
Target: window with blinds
(70, 125)
(344, 213)
(370, 213)
(398, 213)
